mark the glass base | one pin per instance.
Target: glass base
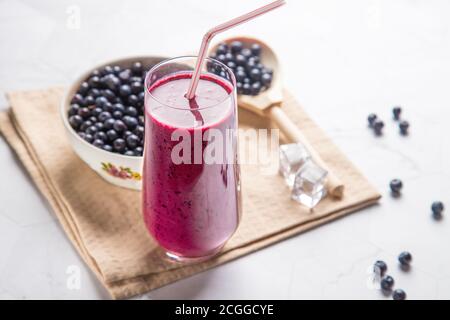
(174, 257)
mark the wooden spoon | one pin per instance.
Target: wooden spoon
(268, 103)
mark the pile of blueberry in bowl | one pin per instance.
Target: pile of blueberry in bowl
(244, 59)
(103, 114)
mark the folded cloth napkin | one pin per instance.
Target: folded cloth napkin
(104, 222)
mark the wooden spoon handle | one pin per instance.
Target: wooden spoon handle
(334, 185)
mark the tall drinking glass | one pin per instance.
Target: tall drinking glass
(191, 177)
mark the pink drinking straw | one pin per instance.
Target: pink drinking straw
(218, 29)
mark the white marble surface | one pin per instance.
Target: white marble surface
(343, 60)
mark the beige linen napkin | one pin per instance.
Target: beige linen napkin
(104, 222)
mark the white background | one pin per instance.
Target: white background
(342, 60)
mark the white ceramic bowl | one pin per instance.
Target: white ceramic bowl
(123, 171)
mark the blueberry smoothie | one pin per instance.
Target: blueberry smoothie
(191, 208)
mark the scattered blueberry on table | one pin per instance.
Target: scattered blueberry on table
(396, 186)
(396, 111)
(405, 258)
(387, 283)
(404, 126)
(380, 268)
(252, 77)
(108, 109)
(437, 207)
(399, 294)
(371, 119)
(378, 126)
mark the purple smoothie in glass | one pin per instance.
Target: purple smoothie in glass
(190, 209)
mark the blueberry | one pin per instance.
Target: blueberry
(96, 72)
(404, 125)
(81, 134)
(256, 88)
(119, 126)
(96, 112)
(239, 87)
(222, 49)
(94, 82)
(255, 74)
(396, 185)
(236, 47)
(141, 96)
(107, 147)
(94, 93)
(92, 130)
(246, 80)
(255, 49)
(107, 70)
(125, 75)
(231, 65)
(129, 153)
(378, 126)
(228, 57)
(139, 131)
(371, 119)
(112, 134)
(132, 141)
(73, 110)
(99, 126)
(387, 283)
(240, 60)
(101, 136)
(130, 122)
(75, 121)
(109, 123)
(119, 145)
(399, 294)
(93, 119)
(98, 143)
(78, 99)
(138, 151)
(380, 268)
(137, 68)
(109, 95)
(251, 64)
(84, 112)
(221, 58)
(105, 115)
(125, 90)
(86, 125)
(136, 87)
(131, 111)
(246, 88)
(89, 138)
(240, 76)
(266, 79)
(117, 70)
(133, 100)
(117, 114)
(112, 82)
(89, 101)
(437, 207)
(247, 53)
(119, 107)
(405, 258)
(396, 112)
(84, 88)
(141, 120)
(257, 60)
(126, 133)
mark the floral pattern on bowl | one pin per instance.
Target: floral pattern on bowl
(121, 172)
